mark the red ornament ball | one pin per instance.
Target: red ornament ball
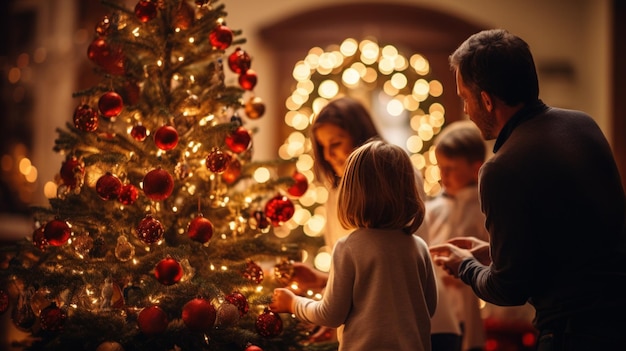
(85, 118)
(108, 187)
(232, 172)
(39, 239)
(259, 220)
(300, 185)
(128, 194)
(248, 80)
(183, 16)
(200, 229)
(199, 315)
(150, 230)
(269, 324)
(239, 140)
(72, 172)
(158, 184)
(253, 348)
(57, 232)
(279, 209)
(152, 320)
(4, 302)
(254, 107)
(104, 26)
(221, 37)
(110, 58)
(253, 272)
(240, 301)
(217, 161)
(146, 10)
(239, 61)
(168, 271)
(166, 138)
(139, 132)
(52, 318)
(110, 104)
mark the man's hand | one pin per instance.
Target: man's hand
(478, 248)
(449, 257)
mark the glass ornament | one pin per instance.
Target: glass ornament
(108, 186)
(150, 230)
(158, 184)
(152, 320)
(146, 10)
(57, 232)
(221, 37)
(166, 138)
(238, 140)
(168, 271)
(85, 118)
(279, 209)
(248, 80)
(269, 324)
(199, 315)
(124, 250)
(110, 104)
(239, 61)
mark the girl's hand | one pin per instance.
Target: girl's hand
(282, 301)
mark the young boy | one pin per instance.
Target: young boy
(460, 151)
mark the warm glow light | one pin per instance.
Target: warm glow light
(261, 175)
(328, 89)
(322, 261)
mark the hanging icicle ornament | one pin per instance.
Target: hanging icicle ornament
(124, 250)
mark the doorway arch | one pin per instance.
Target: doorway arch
(410, 28)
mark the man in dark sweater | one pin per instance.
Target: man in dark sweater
(554, 204)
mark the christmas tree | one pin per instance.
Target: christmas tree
(160, 236)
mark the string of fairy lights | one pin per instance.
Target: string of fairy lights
(403, 90)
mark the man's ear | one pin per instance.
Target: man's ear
(487, 101)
